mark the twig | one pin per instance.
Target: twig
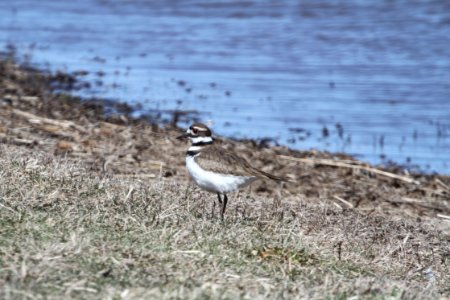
(443, 216)
(339, 245)
(344, 201)
(398, 248)
(328, 162)
(9, 208)
(130, 193)
(33, 119)
(16, 141)
(442, 184)
(417, 202)
(136, 175)
(337, 205)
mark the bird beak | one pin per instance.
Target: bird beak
(183, 136)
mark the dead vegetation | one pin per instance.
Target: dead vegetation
(69, 232)
(33, 115)
(108, 211)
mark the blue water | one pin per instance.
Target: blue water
(370, 78)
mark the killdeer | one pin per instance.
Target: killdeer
(215, 169)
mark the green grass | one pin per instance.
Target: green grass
(67, 232)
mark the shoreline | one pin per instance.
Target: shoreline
(95, 206)
(35, 116)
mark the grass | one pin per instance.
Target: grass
(66, 231)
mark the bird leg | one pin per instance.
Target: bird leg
(214, 205)
(224, 206)
(218, 196)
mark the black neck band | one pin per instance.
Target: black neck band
(192, 153)
(202, 143)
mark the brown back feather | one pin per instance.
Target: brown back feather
(219, 160)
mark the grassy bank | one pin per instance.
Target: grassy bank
(99, 206)
(69, 232)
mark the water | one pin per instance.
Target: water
(370, 78)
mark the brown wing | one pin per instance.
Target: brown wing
(217, 159)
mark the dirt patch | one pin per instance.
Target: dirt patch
(34, 113)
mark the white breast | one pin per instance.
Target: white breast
(216, 182)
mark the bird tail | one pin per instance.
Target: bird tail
(274, 177)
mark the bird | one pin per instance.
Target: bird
(216, 169)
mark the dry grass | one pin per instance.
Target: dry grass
(66, 231)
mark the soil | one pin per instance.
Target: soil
(38, 112)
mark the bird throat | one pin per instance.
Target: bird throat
(198, 143)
